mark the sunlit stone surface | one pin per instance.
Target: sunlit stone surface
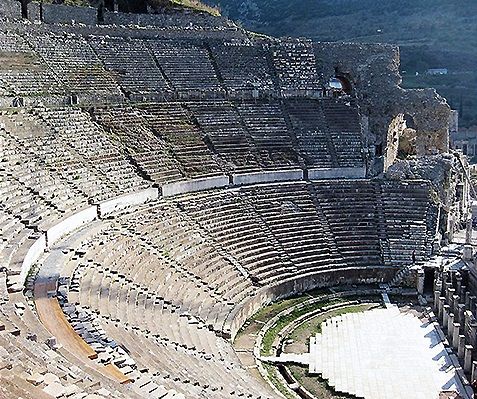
(383, 353)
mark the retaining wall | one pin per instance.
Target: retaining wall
(267, 295)
(70, 224)
(267, 177)
(34, 253)
(189, 186)
(125, 201)
(337, 173)
(61, 14)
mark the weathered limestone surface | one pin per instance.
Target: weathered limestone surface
(373, 71)
(62, 14)
(10, 9)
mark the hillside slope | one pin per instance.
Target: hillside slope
(431, 33)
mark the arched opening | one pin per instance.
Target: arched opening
(407, 138)
(346, 85)
(410, 123)
(429, 274)
(24, 6)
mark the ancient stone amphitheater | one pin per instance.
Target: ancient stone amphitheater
(163, 177)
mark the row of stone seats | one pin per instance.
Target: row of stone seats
(203, 138)
(144, 309)
(131, 62)
(33, 366)
(66, 163)
(243, 66)
(161, 140)
(293, 219)
(189, 287)
(313, 139)
(149, 151)
(170, 122)
(75, 63)
(342, 119)
(29, 194)
(141, 309)
(160, 281)
(100, 65)
(31, 171)
(186, 65)
(278, 230)
(92, 143)
(22, 71)
(274, 232)
(196, 377)
(235, 225)
(180, 243)
(269, 133)
(353, 214)
(406, 209)
(229, 138)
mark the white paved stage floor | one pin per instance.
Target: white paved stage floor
(383, 353)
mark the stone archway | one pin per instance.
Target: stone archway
(407, 138)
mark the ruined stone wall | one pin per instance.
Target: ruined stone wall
(395, 131)
(61, 14)
(450, 185)
(34, 14)
(182, 19)
(373, 71)
(10, 9)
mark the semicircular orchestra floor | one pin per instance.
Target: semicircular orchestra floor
(383, 353)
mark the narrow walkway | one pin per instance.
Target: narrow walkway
(52, 317)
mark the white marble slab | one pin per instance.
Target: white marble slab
(383, 353)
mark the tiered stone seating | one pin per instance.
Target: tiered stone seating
(229, 139)
(76, 64)
(405, 209)
(270, 134)
(149, 152)
(191, 250)
(157, 333)
(16, 237)
(342, 118)
(34, 369)
(243, 67)
(170, 122)
(25, 193)
(279, 230)
(298, 226)
(78, 171)
(295, 65)
(154, 295)
(87, 139)
(234, 224)
(22, 72)
(187, 65)
(32, 173)
(314, 142)
(149, 297)
(353, 217)
(132, 64)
